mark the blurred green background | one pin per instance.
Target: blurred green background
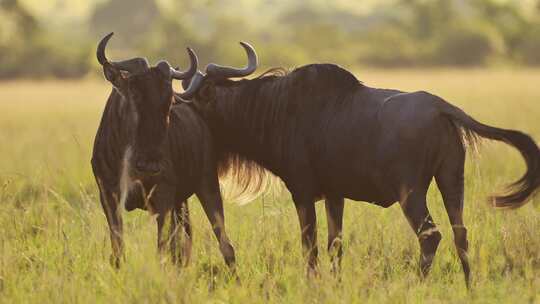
(56, 38)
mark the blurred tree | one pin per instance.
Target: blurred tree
(389, 46)
(26, 23)
(527, 50)
(507, 18)
(427, 17)
(463, 45)
(131, 19)
(28, 50)
(168, 39)
(391, 33)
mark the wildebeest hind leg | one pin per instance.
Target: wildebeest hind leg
(450, 182)
(334, 216)
(211, 201)
(415, 209)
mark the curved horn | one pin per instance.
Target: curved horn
(196, 82)
(215, 70)
(192, 69)
(100, 53)
(185, 83)
(133, 65)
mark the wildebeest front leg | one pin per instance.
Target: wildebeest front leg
(111, 208)
(180, 234)
(415, 209)
(334, 216)
(161, 241)
(307, 216)
(212, 204)
(161, 200)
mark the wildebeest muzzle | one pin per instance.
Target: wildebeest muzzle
(148, 164)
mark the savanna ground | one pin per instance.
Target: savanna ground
(54, 242)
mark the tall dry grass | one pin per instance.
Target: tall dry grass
(54, 244)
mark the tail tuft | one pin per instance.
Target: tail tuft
(518, 193)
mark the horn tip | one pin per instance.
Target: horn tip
(246, 44)
(100, 52)
(107, 37)
(193, 57)
(192, 54)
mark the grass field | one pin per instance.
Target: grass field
(54, 243)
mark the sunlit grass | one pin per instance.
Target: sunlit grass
(54, 243)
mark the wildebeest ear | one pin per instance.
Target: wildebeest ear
(165, 68)
(114, 76)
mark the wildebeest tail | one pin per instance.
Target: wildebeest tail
(520, 191)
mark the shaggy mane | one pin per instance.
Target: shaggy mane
(260, 114)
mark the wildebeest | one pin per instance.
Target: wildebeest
(150, 153)
(327, 135)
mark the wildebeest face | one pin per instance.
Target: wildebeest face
(150, 96)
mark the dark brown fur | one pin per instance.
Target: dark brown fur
(172, 158)
(326, 135)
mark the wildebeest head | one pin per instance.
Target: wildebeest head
(200, 84)
(149, 94)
